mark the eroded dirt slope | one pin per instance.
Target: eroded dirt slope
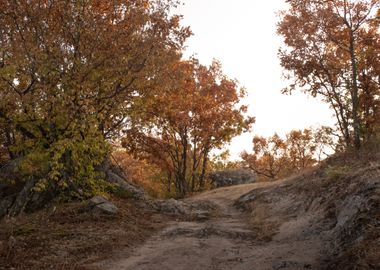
(223, 239)
(324, 219)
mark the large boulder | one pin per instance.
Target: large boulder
(13, 203)
(232, 177)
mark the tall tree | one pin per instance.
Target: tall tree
(197, 111)
(325, 41)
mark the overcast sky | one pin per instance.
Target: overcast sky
(242, 35)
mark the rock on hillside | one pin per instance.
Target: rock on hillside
(99, 204)
(232, 177)
(17, 196)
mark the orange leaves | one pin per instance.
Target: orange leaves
(195, 110)
(275, 158)
(83, 72)
(330, 45)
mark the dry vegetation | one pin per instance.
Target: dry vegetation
(69, 236)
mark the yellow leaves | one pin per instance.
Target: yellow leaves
(35, 163)
(41, 185)
(94, 64)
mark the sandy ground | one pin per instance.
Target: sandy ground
(226, 239)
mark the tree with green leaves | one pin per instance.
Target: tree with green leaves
(72, 73)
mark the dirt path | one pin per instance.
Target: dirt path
(225, 240)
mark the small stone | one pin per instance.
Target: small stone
(102, 205)
(201, 215)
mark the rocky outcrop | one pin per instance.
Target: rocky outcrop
(172, 206)
(232, 177)
(26, 200)
(120, 182)
(17, 195)
(192, 210)
(114, 174)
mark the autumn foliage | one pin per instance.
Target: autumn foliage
(274, 157)
(196, 111)
(78, 76)
(332, 52)
(72, 73)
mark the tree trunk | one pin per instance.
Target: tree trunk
(195, 166)
(355, 93)
(169, 186)
(204, 169)
(184, 165)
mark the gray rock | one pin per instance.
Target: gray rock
(22, 199)
(5, 205)
(172, 206)
(201, 215)
(350, 208)
(120, 182)
(232, 177)
(287, 265)
(101, 205)
(249, 197)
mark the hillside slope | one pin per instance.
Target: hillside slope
(336, 207)
(327, 218)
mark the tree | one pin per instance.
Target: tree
(197, 111)
(274, 158)
(325, 43)
(71, 75)
(268, 158)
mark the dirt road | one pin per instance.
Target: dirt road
(226, 239)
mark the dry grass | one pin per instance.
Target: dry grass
(68, 238)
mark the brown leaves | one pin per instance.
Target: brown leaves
(89, 58)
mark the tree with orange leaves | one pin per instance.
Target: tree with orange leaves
(331, 47)
(274, 158)
(197, 111)
(269, 157)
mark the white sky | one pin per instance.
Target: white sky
(242, 35)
